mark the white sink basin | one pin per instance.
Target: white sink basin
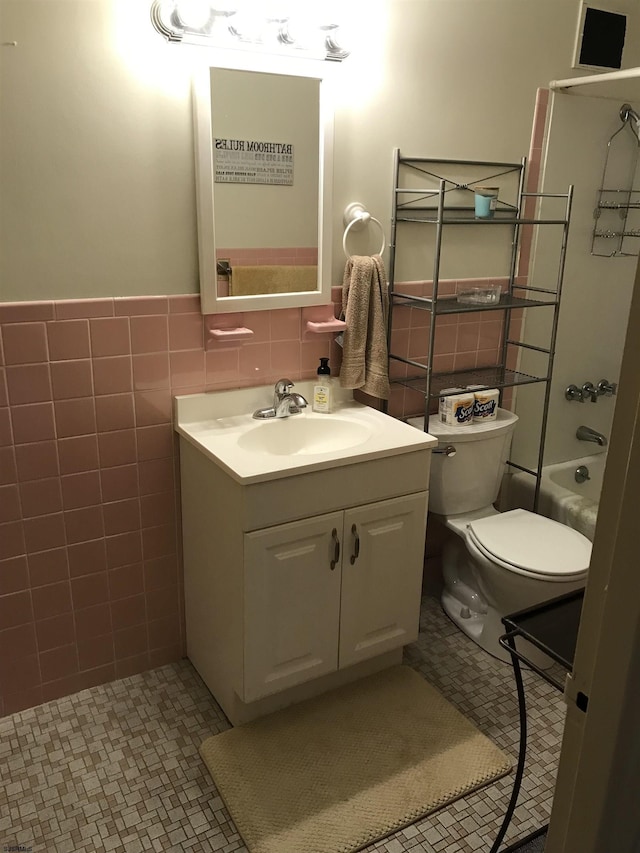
(220, 424)
(304, 434)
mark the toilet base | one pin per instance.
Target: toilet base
(473, 590)
(483, 628)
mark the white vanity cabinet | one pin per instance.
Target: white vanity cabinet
(303, 545)
(325, 593)
(268, 621)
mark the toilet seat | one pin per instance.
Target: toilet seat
(531, 545)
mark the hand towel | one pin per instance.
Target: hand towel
(365, 309)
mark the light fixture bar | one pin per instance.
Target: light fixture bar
(220, 30)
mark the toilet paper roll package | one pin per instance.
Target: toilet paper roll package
(457, 409)
(485, 406)
(442, 401)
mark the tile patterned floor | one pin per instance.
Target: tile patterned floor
(116, 769)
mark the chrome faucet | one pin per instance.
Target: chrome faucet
(585, 433)
(589, 391)
(285, 402)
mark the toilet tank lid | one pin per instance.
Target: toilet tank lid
(533, 543)
(504, 422)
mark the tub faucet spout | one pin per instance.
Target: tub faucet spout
(585, 433)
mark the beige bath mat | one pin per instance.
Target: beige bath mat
(337, 772)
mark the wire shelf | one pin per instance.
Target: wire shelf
(485, 377)
(450, 305)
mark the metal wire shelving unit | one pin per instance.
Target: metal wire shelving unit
(446, 204)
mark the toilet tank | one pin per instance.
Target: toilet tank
(471, 479)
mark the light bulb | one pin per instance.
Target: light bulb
(194, 14)
(303, 32)
(246, 27)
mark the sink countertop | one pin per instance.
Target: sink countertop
(215, 423)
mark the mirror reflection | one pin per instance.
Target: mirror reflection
(263, 149)
(265, 134)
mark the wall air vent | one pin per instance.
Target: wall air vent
(599, 38)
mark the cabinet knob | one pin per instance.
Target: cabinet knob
(336, 549)
(356, 544)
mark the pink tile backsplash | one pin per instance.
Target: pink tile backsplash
(87, 557)
(90, 569)
(32, 422)
(152, 407)
(71, 379)
(151, 371)
(186, 331)
(48, 567)
(110, 336)
(112, 375)
(15, 575)
(79, 490)
(68, 339)
(28, 383)
(114, 412)
(40, 497)
(24, 343)
(117, 448)
(75, 417)
(149, 334)
(82, 525)
(78, 453)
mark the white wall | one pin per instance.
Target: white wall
(96, 169)
(597, 290)
(96, 165)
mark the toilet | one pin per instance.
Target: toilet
(497, 563)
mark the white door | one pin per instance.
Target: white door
(292, 604)
(595, 806)
(381, 577)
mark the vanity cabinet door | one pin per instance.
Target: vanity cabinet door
(382, 567)
(292, 604)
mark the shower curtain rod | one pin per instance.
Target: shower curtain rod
(607, 77)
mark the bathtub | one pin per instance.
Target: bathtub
(561, 497)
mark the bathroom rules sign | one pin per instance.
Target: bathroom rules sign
(248, 161)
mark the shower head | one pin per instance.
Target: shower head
(627, 113)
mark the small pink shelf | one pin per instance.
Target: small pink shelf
(321, 319)
(235, 334)
(321, 326)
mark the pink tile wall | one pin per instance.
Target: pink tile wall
(90, 574)
(534, 171)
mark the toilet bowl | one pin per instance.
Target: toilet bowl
(496, 563)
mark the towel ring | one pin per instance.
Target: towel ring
(356, 216)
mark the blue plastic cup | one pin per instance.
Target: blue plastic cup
(486, 199)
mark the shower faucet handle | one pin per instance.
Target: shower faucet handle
(607, 388)
(590, 390)
(572, 392)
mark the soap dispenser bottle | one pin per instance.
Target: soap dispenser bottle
(322, 390)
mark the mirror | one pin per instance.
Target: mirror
(263, 172)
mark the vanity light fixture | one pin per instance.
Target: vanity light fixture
(226, 24)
